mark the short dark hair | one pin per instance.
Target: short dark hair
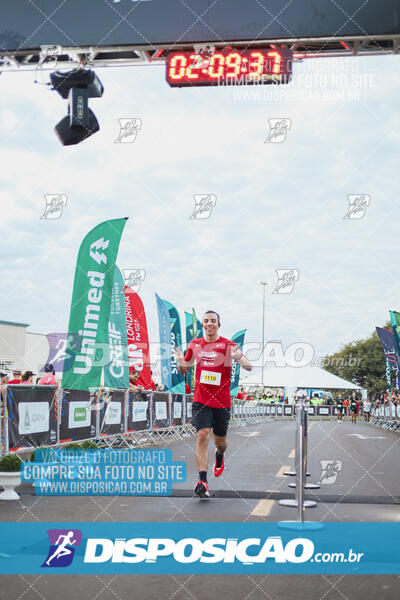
(214, 313)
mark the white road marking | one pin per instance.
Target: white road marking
(368, 437)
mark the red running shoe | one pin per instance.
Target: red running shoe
(202, 489)
(218, 470)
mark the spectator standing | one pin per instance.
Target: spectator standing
(16, 377)
(48, 378)
(242, 394)
(27, 378)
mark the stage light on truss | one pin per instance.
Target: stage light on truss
(77, 86)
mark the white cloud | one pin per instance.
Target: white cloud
(278, 205)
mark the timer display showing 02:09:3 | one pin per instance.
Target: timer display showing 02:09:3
(229, 67)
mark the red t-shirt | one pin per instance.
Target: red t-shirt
(242, 396)
(213, 371)
(14, 381)
(48, 379)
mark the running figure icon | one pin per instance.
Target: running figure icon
(62, 549)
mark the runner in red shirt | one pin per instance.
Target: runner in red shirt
(211, 401)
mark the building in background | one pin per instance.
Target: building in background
(21, 349)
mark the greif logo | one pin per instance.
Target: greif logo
(55, 204)
(203, 205)
(358, 204)
(286, 281)
(278, 130)
(62, 547)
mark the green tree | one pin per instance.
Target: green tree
(362, 362)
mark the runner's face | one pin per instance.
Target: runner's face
(210, 323)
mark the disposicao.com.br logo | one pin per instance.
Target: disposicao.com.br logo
(248, 551)
(200, 547)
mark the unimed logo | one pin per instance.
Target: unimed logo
(190, 550)
(80, 414)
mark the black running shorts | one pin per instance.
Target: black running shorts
(216, 419)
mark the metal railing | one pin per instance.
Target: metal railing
(386, 416)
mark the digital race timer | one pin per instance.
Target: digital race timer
(230, 67)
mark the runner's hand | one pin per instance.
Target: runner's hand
(177, 355)
(236, 353)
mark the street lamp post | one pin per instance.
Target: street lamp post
(263, 283)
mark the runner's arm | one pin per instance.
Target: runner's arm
(183, 365)
(240, 358)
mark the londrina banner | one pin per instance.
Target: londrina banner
(177, 379)
(138, 337)
(90, 305)
(116, 371)
(165, 341)
(238, 338)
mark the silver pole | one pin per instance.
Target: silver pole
(263, 336)
(307, 485)
(300, 462)
(184, 415)
(263, 283)
(126, 410)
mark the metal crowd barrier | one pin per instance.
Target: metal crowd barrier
(386, 416)
(34, 415)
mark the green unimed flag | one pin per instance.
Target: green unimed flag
(90, 305)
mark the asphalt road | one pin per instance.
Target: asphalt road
(366, 488)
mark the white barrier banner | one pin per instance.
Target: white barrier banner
(161, 410)
(139, 411)
(33, 417)
(177, 410)
(113, 414)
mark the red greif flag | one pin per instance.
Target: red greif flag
(138, 338)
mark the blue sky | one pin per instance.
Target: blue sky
(279, 206)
